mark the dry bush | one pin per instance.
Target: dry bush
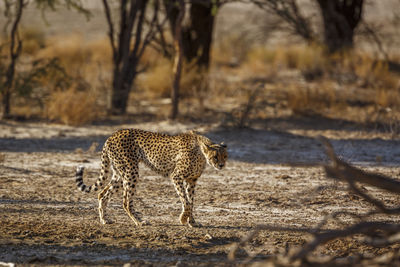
(292, 57)
(260, 54)
(157, 80)
(33, 40)
(387, 98)
(375, 73)
(72, 107)
(362, 79)
(311, 100)
(80, 58)
(309, 60)
(194, 82)
(231, 51)
(68, 49)
(51, 67)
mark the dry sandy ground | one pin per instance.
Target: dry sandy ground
(45, 220)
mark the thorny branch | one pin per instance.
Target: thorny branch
(375, 233)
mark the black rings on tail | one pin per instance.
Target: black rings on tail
(79, 181)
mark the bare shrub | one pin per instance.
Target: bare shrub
(250, 103)
(72, 107)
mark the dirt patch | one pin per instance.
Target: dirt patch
(45, 220)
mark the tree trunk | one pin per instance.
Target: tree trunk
(197, 32)
(6, 104)
(177, 69)
(197, 38)
(128, 44)
(15, 51)
(120, 94)
(340, 17)
(122, 85)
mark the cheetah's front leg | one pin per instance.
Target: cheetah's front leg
(180, 189)
(190, 185)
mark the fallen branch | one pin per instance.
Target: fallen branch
(366, 228)
(376, 233)
(341, 170)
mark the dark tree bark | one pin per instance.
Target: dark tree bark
(15, 51)
(197, 31)
(177, 70)
(128, 45)
(340, 17)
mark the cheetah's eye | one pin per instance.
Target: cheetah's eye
(216, 158)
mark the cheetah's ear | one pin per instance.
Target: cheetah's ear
(223, 145)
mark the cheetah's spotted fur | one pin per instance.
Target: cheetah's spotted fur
(181, 157)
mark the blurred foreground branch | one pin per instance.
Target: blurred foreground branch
(371, 232)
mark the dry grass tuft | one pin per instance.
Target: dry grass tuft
(79, 57)
(311, 100)
(72, 107)
(61, 70)
(157, 80)
(231, 51)
(307, 80)
(33, 40)
(387, 98)
(374, 73)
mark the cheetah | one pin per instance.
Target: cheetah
(181, 157)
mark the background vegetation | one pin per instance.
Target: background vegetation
(281, 63)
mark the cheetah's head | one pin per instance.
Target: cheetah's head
(216, 155)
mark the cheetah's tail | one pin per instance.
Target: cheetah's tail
(81, 185)
(105, 163)
(79, 180)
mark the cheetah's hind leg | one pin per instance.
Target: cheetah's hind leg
(104, 198)
(129, 190)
